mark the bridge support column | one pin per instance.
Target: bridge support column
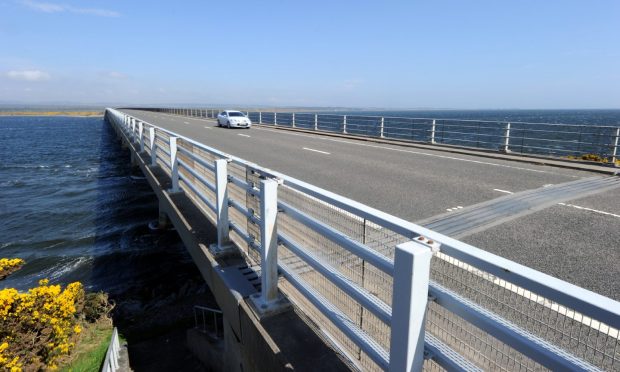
(269, 301)
(412, 261)
(163, 221)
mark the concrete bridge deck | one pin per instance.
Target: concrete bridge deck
(575, 240)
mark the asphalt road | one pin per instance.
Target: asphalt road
(578, 241)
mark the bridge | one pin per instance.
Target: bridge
(313, 260)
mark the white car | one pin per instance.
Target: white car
(236, 119)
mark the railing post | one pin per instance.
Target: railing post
(344, 124)
(409, 300)
(174, 165)
(269, 302)
(614, 151)
(293, 121)
(260, 117)
(140, 132)
(269, 239)
(316, 122)
(433, 131)
(133, 129)
(221, 209)
(275, 118)
(506, 148)
(153, 146)
(382, 128)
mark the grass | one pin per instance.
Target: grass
(90, 350)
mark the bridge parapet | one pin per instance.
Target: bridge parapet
(598, 143)
(388, 293)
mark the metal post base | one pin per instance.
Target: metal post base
(266, 309)
(221, 251)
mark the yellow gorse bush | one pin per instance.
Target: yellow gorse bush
(39, 326)
(7, 264)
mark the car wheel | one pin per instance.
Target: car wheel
(228, 124)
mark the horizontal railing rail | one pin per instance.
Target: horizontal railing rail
(388, 293)
(110, 364)
(600, 142)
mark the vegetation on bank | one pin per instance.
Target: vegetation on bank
(49, 327)
(593, 158)
(9, 265)
(51, 113)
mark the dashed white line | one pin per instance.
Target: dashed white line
(207, 127)
(504, 191)
(319, 151)
(243, 135)
(185, 123)
(417, 152)
(454, 209)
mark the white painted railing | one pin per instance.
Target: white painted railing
(389, 294)
(110, 364)
(542, 139)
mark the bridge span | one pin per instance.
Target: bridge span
(341, 263)
(421, 185)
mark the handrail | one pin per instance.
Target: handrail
(110, 364)
(586, 303)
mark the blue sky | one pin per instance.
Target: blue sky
(409, 54)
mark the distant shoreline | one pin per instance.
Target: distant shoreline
(53, 113)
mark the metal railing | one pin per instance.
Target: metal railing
(110, 364)
(208, 321)
(389, 294)
(526, 138)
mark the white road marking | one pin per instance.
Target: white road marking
(207, 127)
(454, 209)
(415, 152)
(322, 152)
(590, 210)
(572, 205)
(185, 123)
(243, 135)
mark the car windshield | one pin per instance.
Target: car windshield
(232, 113)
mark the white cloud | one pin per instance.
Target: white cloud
(28, 75)
(59, 8)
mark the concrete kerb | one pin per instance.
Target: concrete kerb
(560, 163)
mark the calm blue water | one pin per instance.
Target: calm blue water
(70, 208)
